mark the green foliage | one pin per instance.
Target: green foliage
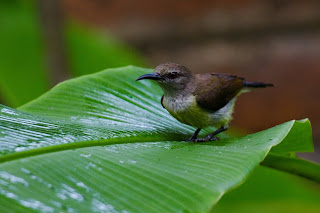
(90, 52)
(103, 142)
(23, 68)
(269, 190)
(22, 58)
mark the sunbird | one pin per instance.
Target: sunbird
(200, 100)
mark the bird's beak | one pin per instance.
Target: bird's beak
(152, 76)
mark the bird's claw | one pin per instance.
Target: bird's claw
(197, 140)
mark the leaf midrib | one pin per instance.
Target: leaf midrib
(93, 143)
(83, 144)
(111, 141)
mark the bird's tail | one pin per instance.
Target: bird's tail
(256, 84)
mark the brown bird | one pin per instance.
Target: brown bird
(200, 100)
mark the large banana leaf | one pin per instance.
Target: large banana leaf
(103, 143)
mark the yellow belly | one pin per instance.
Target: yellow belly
(186, 110)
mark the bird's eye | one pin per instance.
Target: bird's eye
(173, 75)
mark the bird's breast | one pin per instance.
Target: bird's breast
(178, 104)
(186, 110)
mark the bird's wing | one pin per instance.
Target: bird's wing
(213, 90)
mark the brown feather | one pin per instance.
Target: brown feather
(214, 90)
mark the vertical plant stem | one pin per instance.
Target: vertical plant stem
(52, 20)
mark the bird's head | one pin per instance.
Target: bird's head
(171, 77)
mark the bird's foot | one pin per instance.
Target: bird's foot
(197, 140)
(209, 137)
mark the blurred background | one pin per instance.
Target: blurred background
(43, 42)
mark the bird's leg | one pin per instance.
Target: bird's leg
(195, 135)
(210, 137)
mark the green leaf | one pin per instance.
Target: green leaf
(294, 165)
(103, 142)
(22, 58)
(269, 190)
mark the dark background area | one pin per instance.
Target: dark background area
(275, 41)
